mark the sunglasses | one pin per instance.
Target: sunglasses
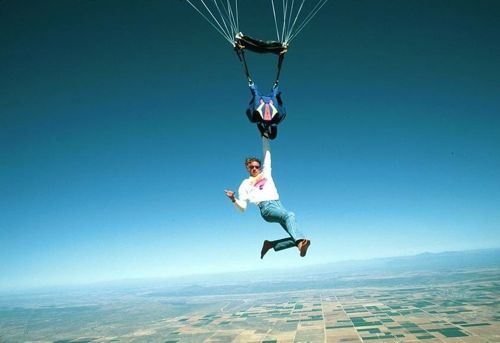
(253, 167)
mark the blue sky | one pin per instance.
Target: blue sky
(122, 122)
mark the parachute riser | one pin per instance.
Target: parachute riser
(241, 56)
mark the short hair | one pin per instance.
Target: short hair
(249, 160)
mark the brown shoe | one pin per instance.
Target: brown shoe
(265, 248)
(303, 246)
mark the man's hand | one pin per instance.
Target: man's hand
(230, 195)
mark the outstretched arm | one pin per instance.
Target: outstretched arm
(239, 204)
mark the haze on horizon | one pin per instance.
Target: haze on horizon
(121, 123)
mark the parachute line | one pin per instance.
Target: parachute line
(287, 39)
(289, 20)
(237, 16)
(285, 7)
(228, 32)
(275, 22)
(228, 10)
(231, 18)
(309, 17)
(223, 16)
(214, 23)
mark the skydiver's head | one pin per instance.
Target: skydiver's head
(253, 166)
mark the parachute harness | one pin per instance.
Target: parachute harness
(240, 52)
(267, 111)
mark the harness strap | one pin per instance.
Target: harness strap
(280, 63)
(241, 56)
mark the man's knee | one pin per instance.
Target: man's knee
(289, 216)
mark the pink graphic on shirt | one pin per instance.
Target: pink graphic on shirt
(261, 183)
(267, 111)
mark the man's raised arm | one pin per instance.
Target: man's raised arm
(266, 151)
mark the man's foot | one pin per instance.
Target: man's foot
(265, 248)
(303, 246)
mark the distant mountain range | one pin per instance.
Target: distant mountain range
(483, 258)
(443, 261)
(406, 271)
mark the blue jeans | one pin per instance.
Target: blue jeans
(273, 211)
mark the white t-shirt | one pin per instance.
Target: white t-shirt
(261, 187)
